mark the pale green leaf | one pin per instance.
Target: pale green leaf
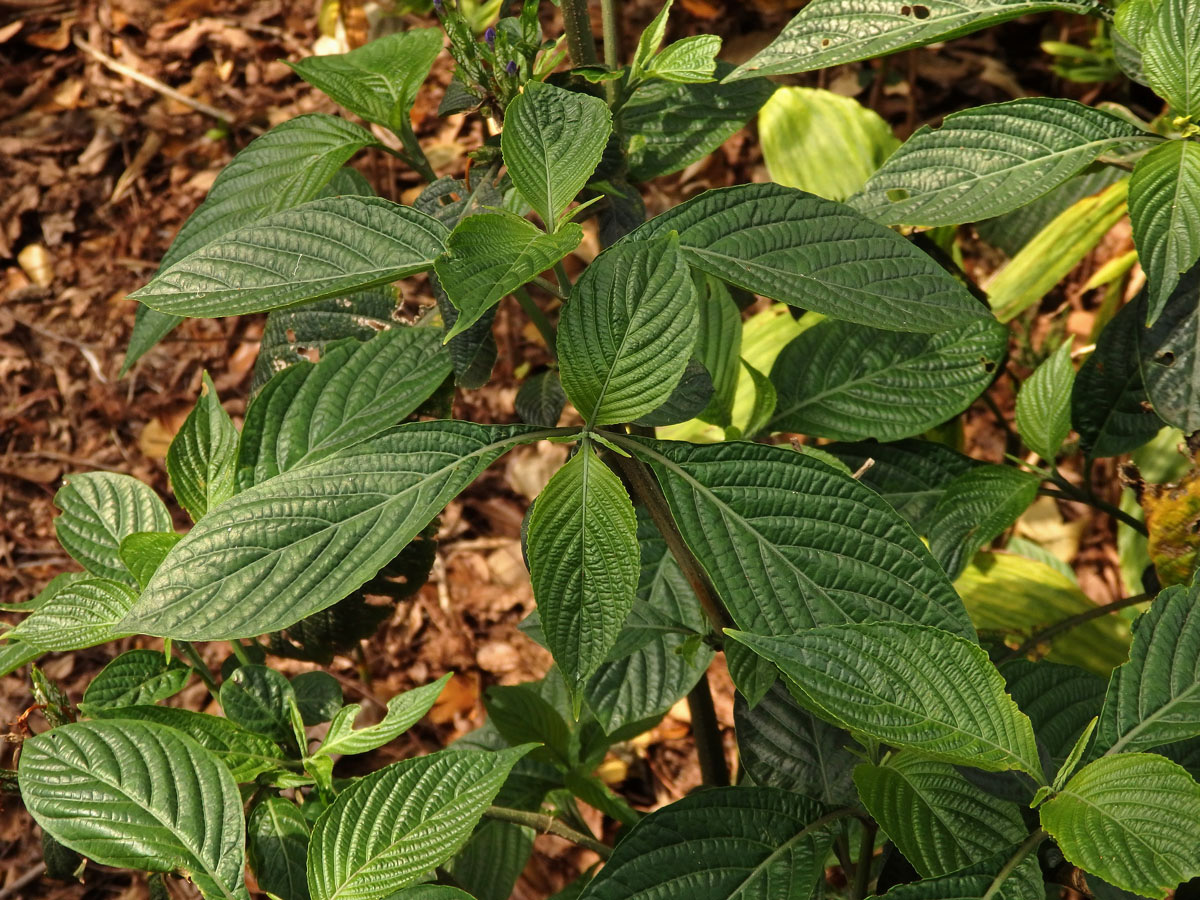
(583, 562)
(650, 40)
(81, 614)
(388, 829)
(627, 333)
(691, 60)
(1132, 819)
(156, 801)
(719, 844)
(832, 32)
(14, 654)
(1073, 758)
(1044, 404)
(277, 847)
(203, 454)
(822, 142)
(320, 249)
(1154, 698)
(378, 81)
(135, 677)
(490, 255)
(1166, 33)
(976, 507)
(403, 712)
(143, 552)
(910, 686)
(935, 817)
(989, 160)
(301, 541)
(849, 382)
(815, 254)
(1169, 357)
(1164, 204)
(552, 142)
(99, 510)
(790, 542)
(357, 390)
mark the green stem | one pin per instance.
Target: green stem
(200, 667)
(1031, 843)
(548, 825)
(1074, 622)
(538, 318)
(564, 280)
(862, 866)
(1088, 497)
(240, 652)
(706, 730)
(549, 287)
(611, 19)
(577, 24)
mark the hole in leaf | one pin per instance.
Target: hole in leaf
(895, 195)
(310, 353)
(1166, 358)
(825, 42)
(921, 12)
(989, 365)
(290, 334)
(906, 10)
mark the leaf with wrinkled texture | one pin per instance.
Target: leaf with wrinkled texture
(324, 248)
(260, 700)
(1044, 404)
(992, 879)
(1059, 700)
(277, 847)
(135, 677)
(143, 552)
(357, 390)
(718, 343)
(719, 844)
(541, 399)
(157, 801)
(552, 142)
(301, 541)
(691, 60)
(583, 562)
(1169, 357)
(815, 254)
(1164, 204)
(627, 333)
(203, 455)
(99, 510)
(1132, 819)
(403, 711)
(1166, 33)
(910, 686)
(976, 507)
(987, 161)
(82, 614)
(849, 382)
(387, 830)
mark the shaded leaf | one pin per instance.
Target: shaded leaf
(277, 846)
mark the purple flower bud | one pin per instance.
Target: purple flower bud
(511, 68)
(490, 37)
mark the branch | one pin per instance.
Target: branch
(548, 825)
(1074, 621)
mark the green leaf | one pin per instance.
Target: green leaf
(143, 552)
(133, 678)
(789, 542)
(260, 700)
(277, 845)
(1044, 404)
(911, 475)
(1109, 405)
(541, 399)
(1071, 763)
(815, 254)
(583, 562)
(1154, 699)
(15, 654)
(1169, 357)
(158, 801)
(388, 829)
(752, 675)
(976, 507)
(522, 715)
(1059, 700)
(1167, 35)
(718, 343)
(670, 126)
(99, 510)
(649, 41)
(403, 712)
(301, 541)
(1132, 819)
(719, 844)
(832, 32)
(993, 879)
(490, 255)
(989, 160)
(202, 455)
(358, 389)
(1164, 201)
(320, 249)
(910, 686)
(691, 60)
(318, 696)
(378, 81)
(935, 817)
(82, 614)
(783, 745)
(490, 863)
(552, 142)
(245, 754)
(627, 332)
(822, 142)
(313, 326)
(848, 382)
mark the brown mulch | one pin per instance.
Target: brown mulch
(98, 172)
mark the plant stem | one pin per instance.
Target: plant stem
(538, 318)
(564, 280)
(706, 730)
(200, 666)
(548, 286)
(1075, 621)
(577, 24)
(862, 865)
(548, 825)
(1088, 497)
(610, 17)
(240, 652)
(1031, 843)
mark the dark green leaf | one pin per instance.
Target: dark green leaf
(1164, 201)
(318, 695)
(260, 701)
(1166, 34)
(1169, 357)
(1059, 700)
(541, 399)
(277, 845)
(1044, 404)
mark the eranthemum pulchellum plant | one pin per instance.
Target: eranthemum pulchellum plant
(878, 732)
